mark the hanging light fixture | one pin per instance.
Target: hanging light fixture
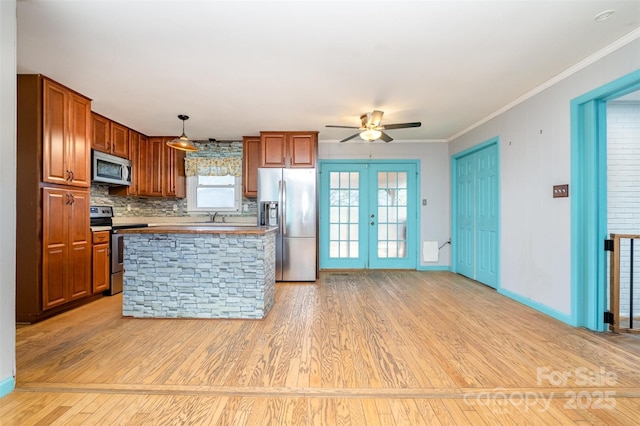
(183, 143)
(370, 134)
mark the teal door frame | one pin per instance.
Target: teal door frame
(589, 200)
(456, 239)
(369, 197)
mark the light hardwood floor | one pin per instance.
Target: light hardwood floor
(355, 348)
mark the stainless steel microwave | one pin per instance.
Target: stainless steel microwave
(109, 169)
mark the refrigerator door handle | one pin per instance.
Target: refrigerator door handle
(283, 196)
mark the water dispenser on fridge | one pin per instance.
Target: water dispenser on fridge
(269, 213)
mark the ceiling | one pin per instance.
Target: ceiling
(239, 67)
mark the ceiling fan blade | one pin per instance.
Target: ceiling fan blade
(385, 137)
(342, 127)
(350, 137)
(401, 125)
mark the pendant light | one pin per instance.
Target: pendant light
(183, 143)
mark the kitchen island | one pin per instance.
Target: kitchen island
(199, 271)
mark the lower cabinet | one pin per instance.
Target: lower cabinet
(101, 261)
(66, 263)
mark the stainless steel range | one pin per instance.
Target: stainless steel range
(102, 219)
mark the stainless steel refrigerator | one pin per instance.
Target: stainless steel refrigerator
(287, 200)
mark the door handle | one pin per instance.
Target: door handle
(284, 207)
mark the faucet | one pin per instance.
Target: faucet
(212, 216)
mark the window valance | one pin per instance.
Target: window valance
(210, 166)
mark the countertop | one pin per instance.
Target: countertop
(200, 229)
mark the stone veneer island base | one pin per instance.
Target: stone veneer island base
(199, 272)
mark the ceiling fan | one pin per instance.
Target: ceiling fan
(371, 128)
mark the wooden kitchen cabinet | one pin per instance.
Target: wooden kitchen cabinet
(53, 247)
(67, 257)
(174, 179)
(109, 136)
(288, 149)
(64, 126)
(134, 156)
(151, 166)
(250, 165)
(157, 170)
(273, 149)
(101, 262)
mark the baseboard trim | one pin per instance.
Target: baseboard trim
(7, 386)
(433, 268)
(537, 306)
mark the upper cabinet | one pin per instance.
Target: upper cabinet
(174, 183)
(109, 136)
(250, 164)
(151, 166)
(65, 127)
(288, 149)
(135, 139)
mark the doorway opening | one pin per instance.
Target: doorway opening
(623, 214)
(589, 227)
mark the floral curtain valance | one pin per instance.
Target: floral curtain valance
(209, 166)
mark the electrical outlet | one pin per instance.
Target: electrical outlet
(560, 191)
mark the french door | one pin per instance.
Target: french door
(368, 215)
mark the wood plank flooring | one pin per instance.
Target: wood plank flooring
(354, 348)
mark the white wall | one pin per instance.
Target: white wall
(7, 194)
(623, 189)
(535, 154)
(434, 184)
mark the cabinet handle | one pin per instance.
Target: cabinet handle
(72, 175)
(68, 175)
(72, 199)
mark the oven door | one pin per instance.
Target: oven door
(117, 263)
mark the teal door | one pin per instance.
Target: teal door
(368, 215)
(476, 208)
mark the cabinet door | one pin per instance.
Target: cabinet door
(100, 133)
(153, 166)
(134, 156)
(54, 133)
(101, 275)
(174, 180)
(273, 149)
(79, 234)
(302, 149)
(55, 245)
(79, 151)
(250, 165)
(119, 140)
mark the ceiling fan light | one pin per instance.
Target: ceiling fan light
(370, 134)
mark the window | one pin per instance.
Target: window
(213, 193)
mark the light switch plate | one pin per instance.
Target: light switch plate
(560, 191)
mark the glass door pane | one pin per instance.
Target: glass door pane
(392, 215)
(343, 239)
